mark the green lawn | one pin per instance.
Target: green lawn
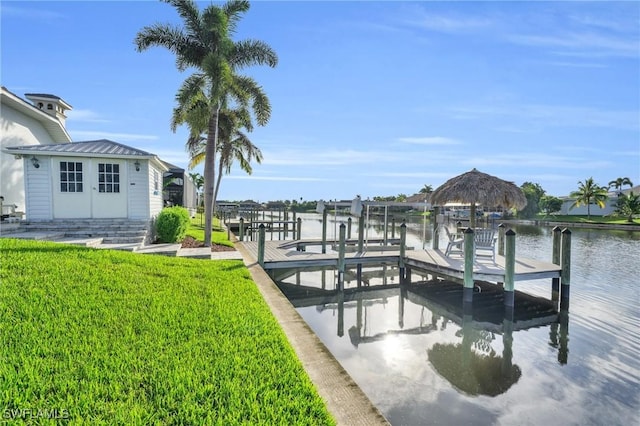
(109, 337)
(585, 219)
(218, 236)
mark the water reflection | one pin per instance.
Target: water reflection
(471, 365)
(588, 377)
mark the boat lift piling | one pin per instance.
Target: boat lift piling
(467, 293)
(565, 275)
(555, 259)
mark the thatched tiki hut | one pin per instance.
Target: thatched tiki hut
(475, 187)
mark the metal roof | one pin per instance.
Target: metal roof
(101, 147)
(43, 95)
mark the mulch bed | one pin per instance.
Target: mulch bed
(190, 242)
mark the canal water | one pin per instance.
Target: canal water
(422, 363)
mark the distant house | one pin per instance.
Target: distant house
(594, 209)
(91, 179)
(179, 189)
(41, 122)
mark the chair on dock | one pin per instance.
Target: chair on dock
(485, 241)
(455, 243)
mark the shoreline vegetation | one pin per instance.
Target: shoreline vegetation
(104, 336)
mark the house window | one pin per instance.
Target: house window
(70, 176)
(108, 177)
(155, 180)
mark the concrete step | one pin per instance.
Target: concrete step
(132, 247)
(123, 240)
(106, 233)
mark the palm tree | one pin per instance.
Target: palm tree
(427, 189)
(589, 192)
(629, 205)
(198, 181)
(233, 145)
(204, 43)
(620, 182)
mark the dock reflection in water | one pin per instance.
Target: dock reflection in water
(419, 332)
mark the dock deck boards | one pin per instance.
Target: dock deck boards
(430, 260)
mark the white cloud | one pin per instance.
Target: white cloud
(325, 157)
(581, 44)
(430, 140)
(278, 178)
(34, 13)
(552, 115)
(85, 115)
(537, 160)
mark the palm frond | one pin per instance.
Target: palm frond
(252, 52)
(188, 10)
(234, 9)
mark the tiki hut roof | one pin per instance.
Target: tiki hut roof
(475, 187)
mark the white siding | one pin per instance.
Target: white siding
(155, 190)
(38, 189)
(138, 193)
(609, 208)
(17, 130)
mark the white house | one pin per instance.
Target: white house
(595, 210)
(41, 122)
(91, 179)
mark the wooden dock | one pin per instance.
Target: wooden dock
(277, 256)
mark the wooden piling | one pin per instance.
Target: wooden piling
(565, 274)
(241, 230)
(361, 233)
(435, 242)
(509, 268)
(286, 224)
(299, 229)
(261, 244)
(403, 248)
(555, 259)
(349, 228)
(341, 252)
(324, 231)
(467, 292)
(393, 227)
(501, 230)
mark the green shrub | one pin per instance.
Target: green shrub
(172, 223)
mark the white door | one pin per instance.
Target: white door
(71, 188)
(109, 189)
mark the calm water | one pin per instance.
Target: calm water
(421, 365)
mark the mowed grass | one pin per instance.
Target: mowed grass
(218, 234)
(119, 338)
(618, 220)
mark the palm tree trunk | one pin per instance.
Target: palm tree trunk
(209, 176)
(215, 192)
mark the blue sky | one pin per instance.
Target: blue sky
(368, 98)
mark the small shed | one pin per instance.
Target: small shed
(90, 179)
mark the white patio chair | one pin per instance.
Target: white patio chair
(455, 243)
(485, 243)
